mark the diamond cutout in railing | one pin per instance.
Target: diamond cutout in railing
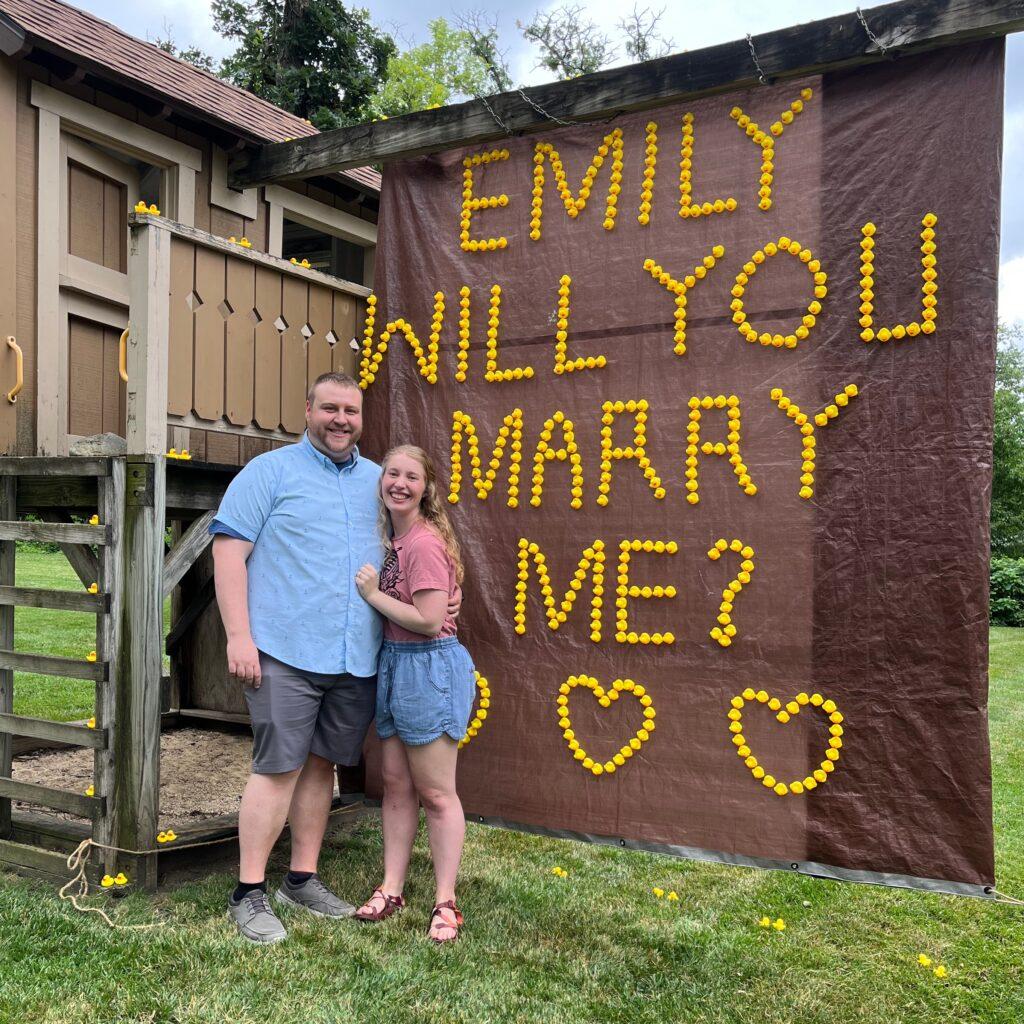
(306, 331)
(331, 339)
(193, 301)
(354, 344)
(281, 324)
(224, 308)
(254, 316)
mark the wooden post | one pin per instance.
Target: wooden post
(8, 511)
(134, 798)
(110, 577)
(149, 283)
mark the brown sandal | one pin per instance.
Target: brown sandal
(456, 924)
(392, 905)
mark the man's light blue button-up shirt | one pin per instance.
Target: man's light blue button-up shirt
(312, 524)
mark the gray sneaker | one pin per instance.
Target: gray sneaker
(314, 896)
(255, 919)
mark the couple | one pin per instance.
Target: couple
(298, 540)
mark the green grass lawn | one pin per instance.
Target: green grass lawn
(44, 631)
(596, 946)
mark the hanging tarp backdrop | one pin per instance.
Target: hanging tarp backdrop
(787, 297)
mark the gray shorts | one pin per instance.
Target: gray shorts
(297, 713)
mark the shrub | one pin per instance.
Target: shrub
(1006, 590)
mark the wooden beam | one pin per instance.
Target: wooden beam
(111, 504)
(909, 26)
(60, 533)
(62, 732)
(149, 277)
(35, 828)
(62, 600)
(137, 666)
(194, 541)
(53, 466)
(188, 617)
(53, 665)
(8, 504)
(57, 799)
(31, 860)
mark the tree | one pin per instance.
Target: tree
(316, 58)
(190, 54)
(643, 40)
(570, 44)
(1008, 444)
(483, 34)
(433, 73)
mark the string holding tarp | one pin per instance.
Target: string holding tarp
(78, 863)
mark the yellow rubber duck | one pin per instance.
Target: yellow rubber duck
(171, 835)
(294, 260)
(172, 453)
(106, 881)
(245, 243)
(765, 922)
(91, 724)
(779, 925)
(91, 656)
(658, 892)
(153, 210)
(94, 520)
(305, 263)
(673, 896)
(141, 207)
(94, 588)
(120, 878)
(91, 791)
(232, 239)
(185, 455)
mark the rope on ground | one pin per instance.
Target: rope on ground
(78, 862)
(1001, 897)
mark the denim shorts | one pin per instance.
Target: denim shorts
(424, 690)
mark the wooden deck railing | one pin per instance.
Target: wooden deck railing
(225, 338)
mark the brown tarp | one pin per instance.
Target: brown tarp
(873, 592)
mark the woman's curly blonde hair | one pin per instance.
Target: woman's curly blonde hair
(431, 508)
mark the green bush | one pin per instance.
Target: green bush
(1006, 592)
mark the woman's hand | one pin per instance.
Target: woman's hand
(367, 581)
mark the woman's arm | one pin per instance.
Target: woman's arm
(425, 615)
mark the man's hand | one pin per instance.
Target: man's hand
(367, 581)
(455, 604)
(244, 661)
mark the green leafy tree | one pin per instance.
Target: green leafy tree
(317, 58)
(1008, 445)
(570, 43)
(483, 34)
(444, 68)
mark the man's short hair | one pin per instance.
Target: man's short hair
(343, 380)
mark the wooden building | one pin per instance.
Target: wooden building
(92, 122)
(197, 328)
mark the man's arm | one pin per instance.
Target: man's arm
(231, 580)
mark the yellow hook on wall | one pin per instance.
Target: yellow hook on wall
(12, 395)
(122, 356)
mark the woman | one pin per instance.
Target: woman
(425, 686)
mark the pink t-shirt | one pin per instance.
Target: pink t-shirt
(418, 561)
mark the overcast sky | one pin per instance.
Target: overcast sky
(690, 24)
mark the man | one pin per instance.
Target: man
(294, 527)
